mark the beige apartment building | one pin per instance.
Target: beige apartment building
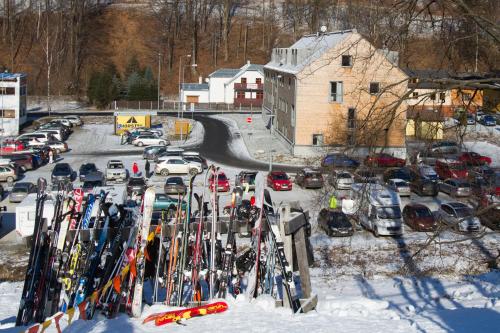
(336, 91)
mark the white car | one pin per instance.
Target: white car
(64, 121)
(176, 164)
(400, 186)
(148, 140)
(58, 146)
(152, 130)
(450, 122)
(75, 120)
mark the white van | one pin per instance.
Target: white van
(376, 208)
(56, 133)
(26, 211)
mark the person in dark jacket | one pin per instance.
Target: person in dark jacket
(147, 167)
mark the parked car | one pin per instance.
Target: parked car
(193, 156)
(65, 122)
(136, 185)
(151, 152)
(9, 146)
(365, 175)
(426, 172)
(57, 146)
(165, 202)
(309, 178)
(246, 178)
(384, 160)
(483, 171)
(400, 186)
(222, 182)
(401, 173)
(450, 168)
(93, 179)
(279, 181)
(424, 187)
(488, 120)
(174, 185)
(115, 171)
(147, 140)
(473, 158)
(175, 164)
(8, 173)
(21, 191)
(171, 151)
(450, 122)
(429, 157)
(455, 187)
(62, 172)
(55, 134)
(341, 180)
(479, 115)
(338, 160)
(24, 161)
(471, 120)
(458, 216)
(85, 169)
(156, 131)
(419, 217)
(335, 223)
(75, 120)
(445, 147)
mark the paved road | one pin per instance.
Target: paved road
(217, 141)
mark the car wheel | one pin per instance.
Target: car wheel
(193, 172)
(10, 179)
(164, 172)
(140, 144)
(163, 143)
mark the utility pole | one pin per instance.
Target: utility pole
(159, 73)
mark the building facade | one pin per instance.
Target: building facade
(13, 112)
(239, 87)
(336, 91)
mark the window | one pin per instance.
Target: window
(243, 80)
(7, 91)
(292, 116)
(8, 113)
(442, 97)
(374, 87)
(260, 94)
(346, 61)
(351, 118)
(466, 96)
(240, 94)
(258, 80)
(289, 83)
(335, 91)
(432, 96)
(414, 80)
(351, 139)
(23, 91)
(317, 139)
(414, 95)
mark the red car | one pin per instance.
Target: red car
(279, 181)
(450, 168)
(11, 146)
(384, 160)
(472, 158)
(222, 182)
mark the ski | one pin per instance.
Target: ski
(176, 316)
(148, 201)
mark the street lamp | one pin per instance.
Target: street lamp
(159, 73)
(183, 68)
(181, 71)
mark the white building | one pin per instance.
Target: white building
(243, 86)
(13, 91)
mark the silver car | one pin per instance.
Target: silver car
(458, 216)
(455, 187)
(400, 186)
(341, 180)
(21, 191)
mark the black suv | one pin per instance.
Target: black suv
(423, 186)
(85, 169)
(62, 172)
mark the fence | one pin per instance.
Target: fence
(175, 105)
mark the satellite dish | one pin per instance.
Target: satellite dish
(323, 28)
(207, 80)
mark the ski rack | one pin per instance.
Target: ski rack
(291, 226)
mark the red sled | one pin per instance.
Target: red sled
(175, 316)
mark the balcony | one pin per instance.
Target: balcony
(248, 86)
(253, 102)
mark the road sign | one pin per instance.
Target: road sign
(249, 120)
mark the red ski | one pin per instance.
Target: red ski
(163, 318)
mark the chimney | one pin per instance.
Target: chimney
(200, 79)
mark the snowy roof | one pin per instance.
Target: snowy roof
(248, 67)
(305, 51)
(194, 86)
(225, 72)
(11, 76)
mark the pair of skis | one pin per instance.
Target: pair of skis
(177, 316)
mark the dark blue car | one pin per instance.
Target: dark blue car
(338, 160)
(488, 120)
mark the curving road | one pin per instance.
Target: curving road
(216, 147)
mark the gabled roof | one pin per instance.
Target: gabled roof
(247, 68)
(309, 48)
(194, 86)
(225, 72)
(11, 76)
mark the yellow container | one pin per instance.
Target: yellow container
(182, 127)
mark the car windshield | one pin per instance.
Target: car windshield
(175, 181)
(463, 185)
(61, 169)
(91, 184)
(136, 181)
(222, 177)
(161, 197)
(423, 212)
(250, 178)
(88, 168)
(313, 175)
(280, 176)
(344, 176)
(463, 212)
(20, 189)
(457, 166)
(428, 172)
(116, 166)
(401, 184)
(339, 218)
(388, 212)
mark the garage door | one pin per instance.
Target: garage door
(192, 99)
